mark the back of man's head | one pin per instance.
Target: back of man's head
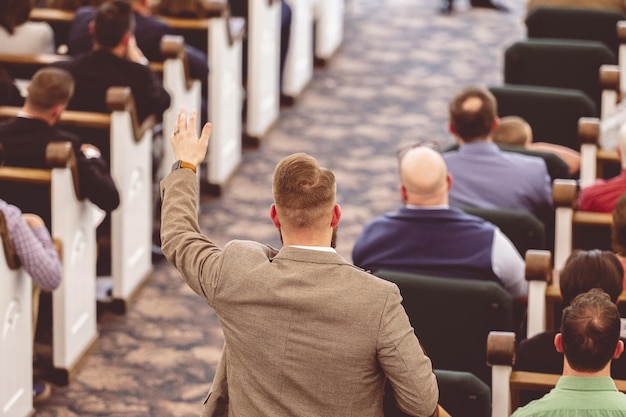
(304, 192)
(423, 177)
(49, 87)
(590, 330)
(584, 270)
(473, 113)
(512, 130)
(114, 19)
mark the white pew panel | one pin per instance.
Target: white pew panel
(299, 63)
(263, 96)
(16, 338)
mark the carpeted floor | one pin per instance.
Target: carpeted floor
(387, 86)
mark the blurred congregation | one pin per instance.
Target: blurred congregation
(478, 148)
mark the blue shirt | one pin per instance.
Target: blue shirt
(484, 176)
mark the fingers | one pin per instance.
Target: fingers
(192, 119)
(206, 133)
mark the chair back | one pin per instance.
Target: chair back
(575, 23)
(523, 228)
(558, 63)
(452, 318)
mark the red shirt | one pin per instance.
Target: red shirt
(602, 196)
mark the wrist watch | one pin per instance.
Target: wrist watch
(182, 164)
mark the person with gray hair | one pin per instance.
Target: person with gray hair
(589, 340)
(427, 236)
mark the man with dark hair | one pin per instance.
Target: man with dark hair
(484, 175)
(149, 31)
(306, 332)
(115, 61)
(589, 340)
(25, 138)
(582, 271)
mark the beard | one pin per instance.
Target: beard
(333, 239)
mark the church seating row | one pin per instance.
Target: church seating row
(73, 224)
(131, 227)
(557, 67)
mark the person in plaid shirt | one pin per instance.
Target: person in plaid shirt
(38, 256)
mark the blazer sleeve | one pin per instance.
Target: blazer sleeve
(97, 185)
(407, 368)
(197, 258)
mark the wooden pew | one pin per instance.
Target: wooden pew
(299, 64)
(567, 220)
(131, 168)
(593, 160)
(507, 384)
(329, 29)
(73, 225)
(184, 92)
(263, 90)
(225, 92)
(224, 35)
(16, 341)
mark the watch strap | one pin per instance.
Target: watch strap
(182, 164)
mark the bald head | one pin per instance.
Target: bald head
(423, 177)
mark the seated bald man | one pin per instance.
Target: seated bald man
(426, 236)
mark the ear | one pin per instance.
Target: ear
(92, 27)
(125, 39)
(451, 129)
(496, 123)
(558, 342)
(403, 193)
(449, 181)
(274, 216)
(336, 216)
(619, 349)
(56, 111)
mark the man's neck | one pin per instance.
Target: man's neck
(29, 113)
(569, 371)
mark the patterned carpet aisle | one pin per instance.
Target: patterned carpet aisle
(388, 85)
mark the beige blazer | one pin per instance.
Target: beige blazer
(307, 333)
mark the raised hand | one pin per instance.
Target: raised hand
(185, 142)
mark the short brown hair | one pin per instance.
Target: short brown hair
(113, 20)
(13, 13)
(590, 331)
(50, 87)
(474, 124)
(304, 192)
(584, 270)
(512, 130)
